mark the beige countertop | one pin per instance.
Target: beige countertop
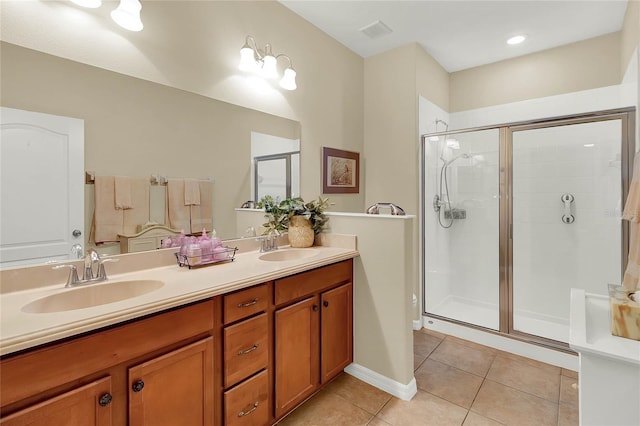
(21, 330)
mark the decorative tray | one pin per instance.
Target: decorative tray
(219, 256)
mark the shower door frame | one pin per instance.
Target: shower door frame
(505, 208)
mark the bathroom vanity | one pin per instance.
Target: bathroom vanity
(609, 365)
(246, 348)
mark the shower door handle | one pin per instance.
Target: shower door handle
(567, 217)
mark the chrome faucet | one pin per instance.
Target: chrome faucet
(91, 257)
(269, 242)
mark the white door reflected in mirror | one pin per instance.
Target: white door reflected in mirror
(41, 182)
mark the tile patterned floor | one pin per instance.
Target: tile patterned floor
(460, 383)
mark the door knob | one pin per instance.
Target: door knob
(76, 233)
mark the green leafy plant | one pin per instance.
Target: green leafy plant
(278, 213)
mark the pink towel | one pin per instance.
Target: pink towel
(177, 215)
(201, 216)
(139, 213)
(122, 190)
(107, 220)
(191, 192)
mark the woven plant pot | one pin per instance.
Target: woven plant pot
(300, 232)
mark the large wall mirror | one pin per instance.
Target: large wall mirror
(137, 128)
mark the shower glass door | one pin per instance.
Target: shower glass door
(461, 227)
(566, 209)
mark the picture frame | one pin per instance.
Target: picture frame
(340, 171)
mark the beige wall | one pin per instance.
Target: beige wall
(194, 46)
(579, 66)
(630, 34)
(390, 110)
(134, 127)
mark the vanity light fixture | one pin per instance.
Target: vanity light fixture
(127, 15)
(264, 63)
(91, 4)
(516, 39)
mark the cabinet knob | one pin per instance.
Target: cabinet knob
(137, 386)
(325, 303)
(315, 308)
(105, 400)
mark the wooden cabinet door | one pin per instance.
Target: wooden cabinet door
(296, 353)
(175, 389)
(87, 405)
(336, 325)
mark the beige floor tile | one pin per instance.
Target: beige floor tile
(326, 408)
(568, 390)
(359, 393)
(423, 409)
(570, 373)
(542, 365)
(467, 358)
(475, 419)
(513, 407)
(525, 377)
(418, 360)
(433, 333)
(377, 421)
(568, 415)
(448, 382)
(424, 343)
(471, 344)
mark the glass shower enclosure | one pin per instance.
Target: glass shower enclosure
(514, 216)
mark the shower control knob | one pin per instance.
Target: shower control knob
(568, 219)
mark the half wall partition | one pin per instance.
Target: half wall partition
(516, 215)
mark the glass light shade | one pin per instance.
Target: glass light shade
(92, 4)
(247, 59)
(288, 81)
(516, 39)
(127, 15)
(269, 69)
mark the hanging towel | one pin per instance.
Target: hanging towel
(191, 192)
(631, 280)
(177, 215)
(139, 213)
(107, 220)
(201, 216)
(122, 190)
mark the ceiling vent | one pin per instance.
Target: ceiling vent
(376, 29)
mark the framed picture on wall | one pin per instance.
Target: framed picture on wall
(340, 171)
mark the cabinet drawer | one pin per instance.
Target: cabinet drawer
(246, 404)
(300, 285)
(245, 349)
(244, 303)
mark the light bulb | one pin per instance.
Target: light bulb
(91, 4)
(288, 81)
(269, 69)
(127, 15)
(247, 59)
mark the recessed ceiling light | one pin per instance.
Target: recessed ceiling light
(516, 39)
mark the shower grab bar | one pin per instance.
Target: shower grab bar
(567, 217)
(395, 210)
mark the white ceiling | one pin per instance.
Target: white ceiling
(462, 34)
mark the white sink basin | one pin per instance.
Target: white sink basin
(92, 295)
(287, 254)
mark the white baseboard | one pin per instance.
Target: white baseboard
(404, 392)
(417, 324)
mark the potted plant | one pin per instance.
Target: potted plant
(302, 220)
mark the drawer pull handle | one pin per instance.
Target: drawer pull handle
(247, 304)
(105, 400)
(244, 413)
(246, 351)
(137, 386)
